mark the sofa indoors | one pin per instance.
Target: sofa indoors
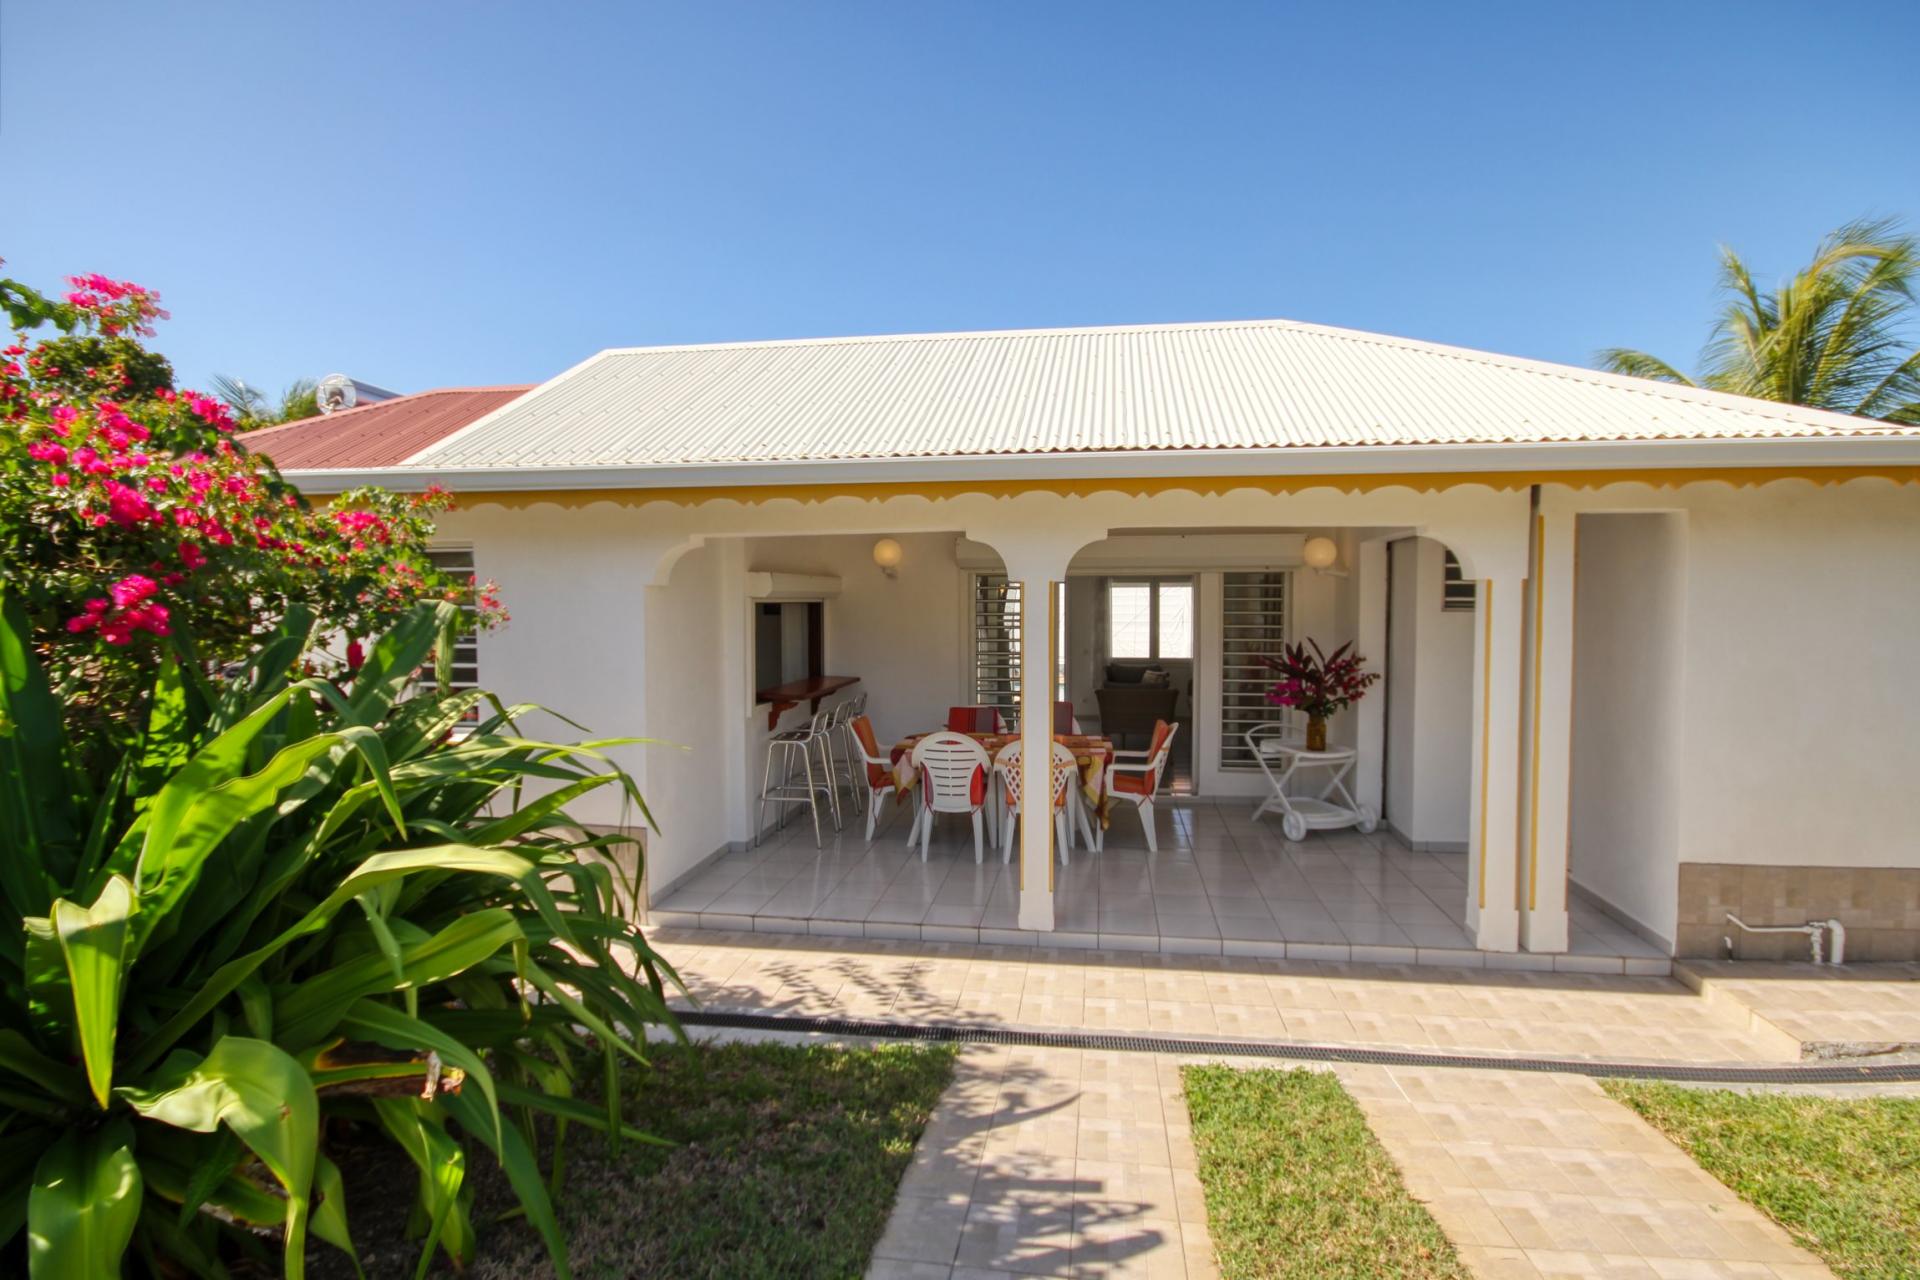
(1133, 698)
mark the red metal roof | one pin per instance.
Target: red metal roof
(377, 435)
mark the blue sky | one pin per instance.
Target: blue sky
(438, 194)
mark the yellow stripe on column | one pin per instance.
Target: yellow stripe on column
(1053, 666)
(1539, 649)
(1486, 720)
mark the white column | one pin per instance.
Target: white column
(1549, 760)
(1370, 728)
(1036, 559)
(1493, 915)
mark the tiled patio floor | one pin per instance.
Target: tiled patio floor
(1220, 884)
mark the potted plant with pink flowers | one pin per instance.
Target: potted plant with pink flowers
(1318, 683)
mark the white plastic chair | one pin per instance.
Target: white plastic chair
(1076, 802)
(1065, 798)
(1143, 776)
(947, 764)
(876, 770)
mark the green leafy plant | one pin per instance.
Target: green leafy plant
(294, 906)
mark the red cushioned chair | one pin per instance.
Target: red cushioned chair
(1136, 775)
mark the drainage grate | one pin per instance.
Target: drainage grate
(962, 1033)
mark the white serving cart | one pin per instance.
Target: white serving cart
(1332, 807)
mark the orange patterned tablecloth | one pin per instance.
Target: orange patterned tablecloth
(1092, 754)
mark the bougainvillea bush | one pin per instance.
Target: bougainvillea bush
(258, 909)
(132, 524)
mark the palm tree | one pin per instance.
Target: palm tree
(1832, 337)
(251, 406)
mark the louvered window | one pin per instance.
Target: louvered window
(457, 563)
(996, 644)
(1457, 591)
(1253, 622)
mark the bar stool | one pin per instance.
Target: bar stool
(800, 751)
(844, 755)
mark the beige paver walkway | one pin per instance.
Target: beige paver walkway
(1071, 1162)
(1052, 1162)
(1545, 1176)
(1411, 1006)
(1813, 1011)
(1061, 1162)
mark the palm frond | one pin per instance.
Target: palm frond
(299, 400)
(1638, 364)
(1835, 335)
(240, 397)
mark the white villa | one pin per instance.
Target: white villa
(1651, 654)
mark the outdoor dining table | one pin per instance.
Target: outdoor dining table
(1092, 754)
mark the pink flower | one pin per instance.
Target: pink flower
(212, 411)
(132, 589)
(192, 556)
(47, 451)
(87, 621)
(127, 506)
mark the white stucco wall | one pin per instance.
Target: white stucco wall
(1629, 674)
(1801, 716)
(1430, 705)
(684, 779)
(1797, 711)
(576, 644)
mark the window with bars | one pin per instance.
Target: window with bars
(1457, 591)
(1253, 623)
(457, 563)
(996, 644)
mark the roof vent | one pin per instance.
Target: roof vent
(337, 391)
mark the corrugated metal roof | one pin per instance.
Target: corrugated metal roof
(1241, 385)
(377, 435)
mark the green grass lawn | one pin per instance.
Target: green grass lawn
(786, 1163)
(1298, 1186)
(1841, 1175)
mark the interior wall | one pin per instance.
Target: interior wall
(1319, 613)
(1085, 671)
(1629, 673)
(1430, 707)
